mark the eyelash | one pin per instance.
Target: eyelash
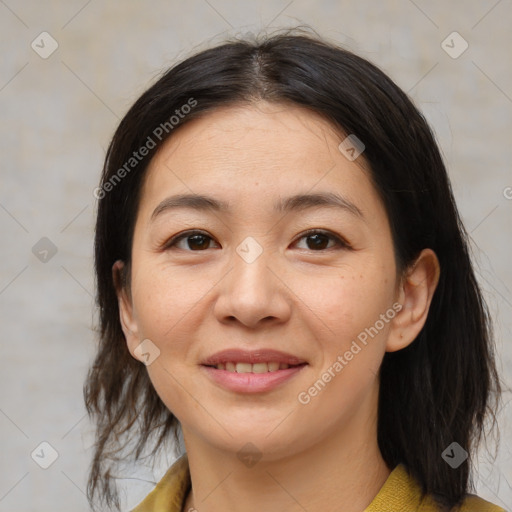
(340, 242)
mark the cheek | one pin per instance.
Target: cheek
(170, 305)
(347, 302)
(165, 298)
(353, 346)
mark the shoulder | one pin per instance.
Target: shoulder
(170, 492)
(402, 493)
(474, 503)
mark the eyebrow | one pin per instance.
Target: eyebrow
(296, 203)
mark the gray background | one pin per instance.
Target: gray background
(58, 115)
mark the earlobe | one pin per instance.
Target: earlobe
(126, 316)
(415, 295)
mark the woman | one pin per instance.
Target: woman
(284, 279)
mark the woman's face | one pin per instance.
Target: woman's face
(253, 291)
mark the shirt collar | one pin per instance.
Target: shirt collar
(400, 492)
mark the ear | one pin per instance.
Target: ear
(415, 294)
(126, 316)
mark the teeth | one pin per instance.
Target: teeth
(243, 367)
(260, 368)
(252, 368)
(272, 367)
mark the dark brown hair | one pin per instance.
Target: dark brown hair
(437, 390)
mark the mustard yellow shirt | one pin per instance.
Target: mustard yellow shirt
(400, 493)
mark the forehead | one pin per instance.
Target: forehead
(258, 150)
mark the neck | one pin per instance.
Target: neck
(342, 473)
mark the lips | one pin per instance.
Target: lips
(255, 371)
(252, 357)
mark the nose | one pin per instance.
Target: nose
(252, 293)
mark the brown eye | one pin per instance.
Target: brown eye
(190, 241)
(317, 240)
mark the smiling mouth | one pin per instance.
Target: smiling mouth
(272, 366)
(252, 371)
(260, 377)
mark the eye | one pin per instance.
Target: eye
(318, 240)
(193, 241)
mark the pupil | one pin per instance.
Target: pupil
(192, 240)
(318, 243)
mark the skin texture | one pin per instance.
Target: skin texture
(296, 298)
